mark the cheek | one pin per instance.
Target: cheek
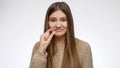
(65, 24)
(51, 24)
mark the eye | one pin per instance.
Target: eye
(52, 19)
(63, 19)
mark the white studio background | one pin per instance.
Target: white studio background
(95, 21)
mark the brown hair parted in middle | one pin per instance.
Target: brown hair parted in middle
(70, 58)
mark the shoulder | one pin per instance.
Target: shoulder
(82, 45)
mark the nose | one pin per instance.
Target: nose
(58, 24)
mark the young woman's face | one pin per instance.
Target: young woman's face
(58, 21)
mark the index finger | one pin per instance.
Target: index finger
(50, 29)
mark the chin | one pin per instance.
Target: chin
(59, 34)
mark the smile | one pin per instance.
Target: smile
(58, 30)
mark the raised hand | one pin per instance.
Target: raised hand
(45, 40)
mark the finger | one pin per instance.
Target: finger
(47, 33)
(50, 37)
(45, 38)
(42, 36)
(50, 29)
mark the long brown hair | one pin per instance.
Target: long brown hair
(70, 58)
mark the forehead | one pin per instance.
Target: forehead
(58, 14)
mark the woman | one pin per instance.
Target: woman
(58, 47)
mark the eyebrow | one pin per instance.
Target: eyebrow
(63, 17)
(55, 17)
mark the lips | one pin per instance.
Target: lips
(58, 30)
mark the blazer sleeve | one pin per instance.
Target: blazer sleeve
(38, 60)
(87, 61)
